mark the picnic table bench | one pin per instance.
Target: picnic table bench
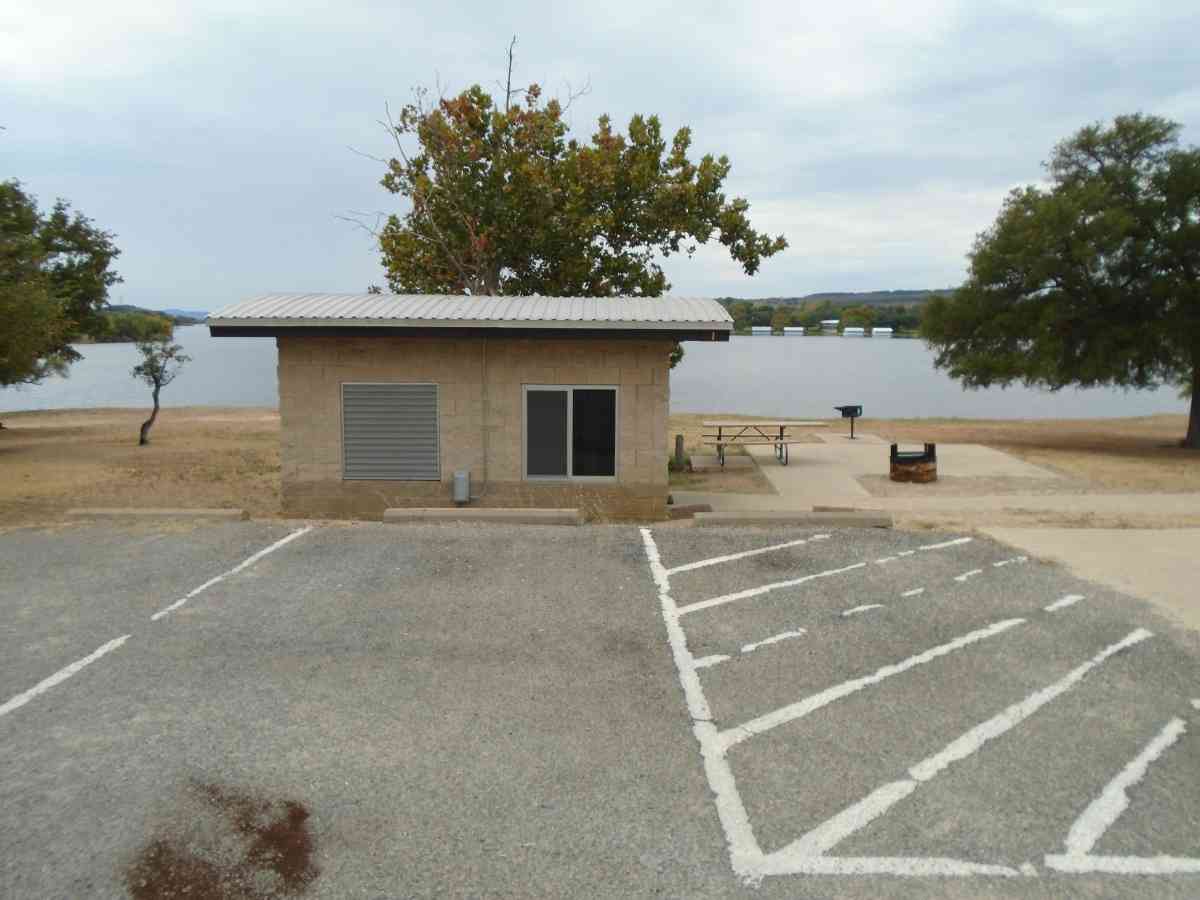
(745, 434)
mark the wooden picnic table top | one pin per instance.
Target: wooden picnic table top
(765, 423)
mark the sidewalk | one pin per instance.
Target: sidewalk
(827, 474)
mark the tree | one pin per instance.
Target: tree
(161, 362)
(781, 318)
(1093, 279)
(55, 272)
(503, 201)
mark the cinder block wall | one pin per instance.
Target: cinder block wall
(468, 370)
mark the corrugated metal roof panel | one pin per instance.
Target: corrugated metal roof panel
(449, 311)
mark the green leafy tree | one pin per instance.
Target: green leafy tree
(161, 362)
(504, 201)
(781, 318)
(55, 272)
(1093, 279)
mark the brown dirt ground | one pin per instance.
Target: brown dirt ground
(217, 457)
(197, 456)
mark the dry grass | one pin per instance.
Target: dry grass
(205, 456)
(197, 456)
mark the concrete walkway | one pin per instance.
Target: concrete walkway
(827, 474)
(1159, 565)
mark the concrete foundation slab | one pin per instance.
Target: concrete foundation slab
(483, 514)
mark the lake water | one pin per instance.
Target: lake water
(767, 376)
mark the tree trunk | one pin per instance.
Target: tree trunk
(1192, 441)
(144, 436)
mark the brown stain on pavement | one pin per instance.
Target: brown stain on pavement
(275, 861)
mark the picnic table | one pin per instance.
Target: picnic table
(745, 434)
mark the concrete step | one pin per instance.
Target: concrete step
(850, 519)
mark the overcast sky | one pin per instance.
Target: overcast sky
(878, 137)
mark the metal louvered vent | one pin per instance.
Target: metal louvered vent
(390, 432)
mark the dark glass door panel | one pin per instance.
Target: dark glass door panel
(594, 442)
(546, 433)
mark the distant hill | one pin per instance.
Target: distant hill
(177, 316)
(198, 314)
(847, 298)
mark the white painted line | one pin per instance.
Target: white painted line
(906, 552)
(1028, 869)
(915, 592)
(955, 543)
(854, 611)
(239, 567)
(885, 559)
(965, 575)
(744, 853)
(705, 661)
(912, 867)
(773, 639)
(828, 834)
(60, 676)
(717, 560)
(1009, 562)
(754, 592)
(1064, 602)
(1124, 865)
(1196, 704)
(1102, 812)
(793, 711)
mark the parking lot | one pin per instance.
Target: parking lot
(290, 709)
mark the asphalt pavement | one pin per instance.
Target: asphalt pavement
(412, 711)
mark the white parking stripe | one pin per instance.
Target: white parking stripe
(854, 611)
(912, 867)
(1064, 602)
(954, 543)
(801, 708)
(1102, 812)
(1008, 562)
(754, 592)
(915, 592)
(744, 853)
(239, 567)
(965, 575)
(1125, 865)
(717, 560)
(60, 676)
(773, 639)
(827, 835)
(705, 661)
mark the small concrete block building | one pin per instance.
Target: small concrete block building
(544, 401)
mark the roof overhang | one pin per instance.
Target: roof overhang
(677, 331)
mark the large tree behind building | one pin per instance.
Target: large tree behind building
(55, 272)
(1093, 279)
(504, 201)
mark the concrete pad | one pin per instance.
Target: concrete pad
(96, 512)
(710, 463)
(484, 514)
(1162, 566)
(856, 519)
(842, 438)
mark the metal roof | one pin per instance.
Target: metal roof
(297, 311)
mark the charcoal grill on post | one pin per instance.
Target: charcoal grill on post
(851, 413)
(919, 466)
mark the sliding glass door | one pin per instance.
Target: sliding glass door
(570, 432)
